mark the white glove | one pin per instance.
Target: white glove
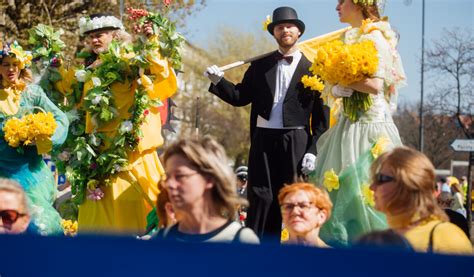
(214, 74)
(340, 91)
(308, 164)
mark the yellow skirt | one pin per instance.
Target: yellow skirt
(124, 208)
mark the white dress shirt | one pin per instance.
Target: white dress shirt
(284, 74)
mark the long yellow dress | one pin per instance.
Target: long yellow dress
(130, 197)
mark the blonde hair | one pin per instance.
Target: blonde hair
(209, 157)
(12, 186)
(412, 199)
(319, 197)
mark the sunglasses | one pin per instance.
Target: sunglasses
(9, 217)
(382, 178)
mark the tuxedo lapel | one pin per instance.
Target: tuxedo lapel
(270, 75)
(300, 70)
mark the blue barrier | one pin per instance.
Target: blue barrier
(119, 256)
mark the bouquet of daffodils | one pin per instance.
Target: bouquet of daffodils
(32, 128)
(344, 64)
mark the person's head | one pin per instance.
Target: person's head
(445, 200)
(100, 30)
(455, 188)
(242, 175)
(463, 179)
(14, 214)
(402, 181)
(443, 180)
(383, 239)
(304, 208)
(454, 183)
(13, 64)
(354, 11)
(164, 208)
(197, 174)
(286, 27)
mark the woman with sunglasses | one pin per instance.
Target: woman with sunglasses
(403, 190)
(304, 209)
(14, 215)
(19, 97)
(202, 190)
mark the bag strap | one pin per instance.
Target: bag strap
(430, 243)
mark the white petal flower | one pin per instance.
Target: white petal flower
(81, 75)
(96, 100)
(96, 81)
(126, 126)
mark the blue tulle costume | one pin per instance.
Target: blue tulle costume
(29, 169)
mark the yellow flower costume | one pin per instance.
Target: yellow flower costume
(122, 204)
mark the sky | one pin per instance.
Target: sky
(320, 17)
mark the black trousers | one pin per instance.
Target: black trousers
(274, 160)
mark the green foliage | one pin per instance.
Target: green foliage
(46, 41)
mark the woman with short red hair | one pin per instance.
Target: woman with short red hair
(304, 208)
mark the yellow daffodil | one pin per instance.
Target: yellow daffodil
(69, 227)
(313, 82)
(331, 180)
(368, 195)
(30, 128)
(380, 146)
(267, 22)
(285, 235)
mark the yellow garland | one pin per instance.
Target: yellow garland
(24, 58)
(29, 129)
(331, 180)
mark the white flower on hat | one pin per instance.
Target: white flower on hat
(87, 24)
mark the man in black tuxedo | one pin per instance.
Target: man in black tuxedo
(286, 120)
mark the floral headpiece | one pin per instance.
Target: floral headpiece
(87, 25)
(380, 4)
(16, 51)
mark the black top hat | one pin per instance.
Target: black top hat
(285, 15)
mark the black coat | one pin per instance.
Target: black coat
(258, 88)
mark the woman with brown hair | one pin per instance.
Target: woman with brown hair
(202, 190)
(304, 210)
(347, 149)
(403, 190)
